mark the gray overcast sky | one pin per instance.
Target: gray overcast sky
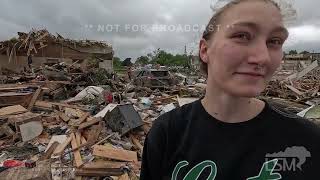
(117, 21)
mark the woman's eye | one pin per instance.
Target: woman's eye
(242, 36)
(275, 41)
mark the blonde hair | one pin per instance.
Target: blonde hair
(214, 23)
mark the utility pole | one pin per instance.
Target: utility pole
(185, 50)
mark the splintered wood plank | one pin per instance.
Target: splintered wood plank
(137, 143)
(101, 164)
(78, 138)
(88, 123)
(95, 132)
(116, 154)
(43, 36)
(50, 151)
(69, 106)
(48, 105)
(12, 110)
(63, 116)
(76, 154)
(97, 173)
(83, 140)
(60, 149)
(34, 98)
(43, 104)
(84, 117)
(7, 130)
(295, 90)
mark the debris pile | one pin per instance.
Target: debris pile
(64, 122)
(298, 93)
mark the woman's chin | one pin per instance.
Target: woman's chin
(247, 91)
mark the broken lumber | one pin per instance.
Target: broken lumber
(295, 90)
(97, 173)
(89, 123)
(83, 140)
(60, 149)
(6, 130)
(113, 153)
(34, 98)
(49, 105)
(12, 110)
(101, 164)
(137, 143)
(76, 154)
(305, 71)
(12, 98)
(50, 151)
(84, 117)
(63, 116)
(24, 117)
(78, 138)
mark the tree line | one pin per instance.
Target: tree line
(158, 56)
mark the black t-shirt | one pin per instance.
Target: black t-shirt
(188, 143)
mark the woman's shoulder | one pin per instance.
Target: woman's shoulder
(293, 122)
(179, 116)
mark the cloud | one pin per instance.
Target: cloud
(73, 19)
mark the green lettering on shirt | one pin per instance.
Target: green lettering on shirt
(196, 171)
(266, 173)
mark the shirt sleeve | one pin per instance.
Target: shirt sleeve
(154, 152)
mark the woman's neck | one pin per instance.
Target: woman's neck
(231, 109)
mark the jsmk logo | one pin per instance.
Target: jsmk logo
(291, 159)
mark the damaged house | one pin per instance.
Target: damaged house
(46, 49)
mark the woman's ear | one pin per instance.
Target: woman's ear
(203, 50)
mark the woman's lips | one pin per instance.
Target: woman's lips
(253, 74)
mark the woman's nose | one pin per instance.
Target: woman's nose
(259, 54)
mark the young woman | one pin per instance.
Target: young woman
(229, 134)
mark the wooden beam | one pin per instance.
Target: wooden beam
(137, 143)
(42, 36)
(83, 140)
(97, 173)
(295, 90)
(48, 105)
(34, 98)
(43, 104)
(84, 117)
(60, 149)
(76, 154)
(113, 153)
(12, 110)
(89, 123)
(50, 151)
(63, 116)
(305, 71)
(70, 106)
(101, 164)
(78, 138)
(7, 130)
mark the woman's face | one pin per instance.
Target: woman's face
(246, 48)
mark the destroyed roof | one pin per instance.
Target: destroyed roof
(38, 39)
